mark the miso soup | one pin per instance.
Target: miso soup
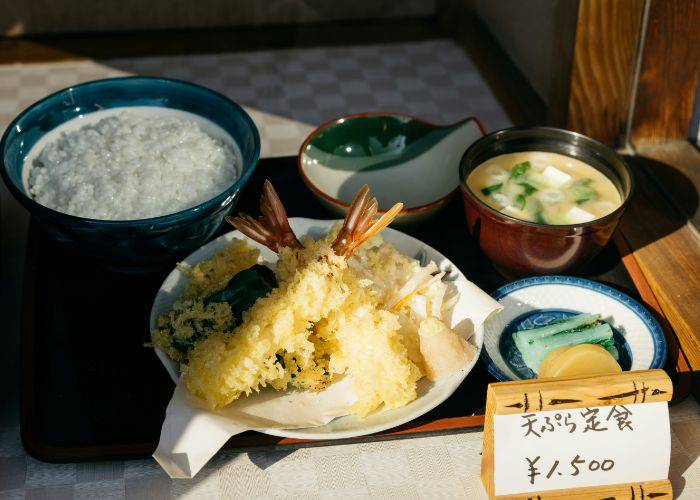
(548, 188)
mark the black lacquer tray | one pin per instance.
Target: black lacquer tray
(91, 390)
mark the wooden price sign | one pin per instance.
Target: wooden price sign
(604, 437)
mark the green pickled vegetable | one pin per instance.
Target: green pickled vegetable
(492, 188)
(534, 344)
(609, 346)
(534, 352)
(557, 327)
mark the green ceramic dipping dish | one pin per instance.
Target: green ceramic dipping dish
(401, 158)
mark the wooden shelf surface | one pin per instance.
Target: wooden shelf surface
(659, 228)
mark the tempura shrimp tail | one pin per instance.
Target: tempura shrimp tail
(272, 227)
(359, 224)
(224, 366)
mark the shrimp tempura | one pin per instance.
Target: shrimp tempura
(224, 366)
(377, 359)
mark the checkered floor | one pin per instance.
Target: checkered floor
(434, 80)
(289, 92)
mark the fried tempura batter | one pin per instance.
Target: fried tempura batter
(275, 343)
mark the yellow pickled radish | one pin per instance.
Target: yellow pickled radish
(577, 360)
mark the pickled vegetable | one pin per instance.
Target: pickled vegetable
(578, 360)
(536, 343)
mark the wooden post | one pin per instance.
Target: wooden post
(507, 398)
(660, 490)
(633, 80)
(603, 68)
(669, 72)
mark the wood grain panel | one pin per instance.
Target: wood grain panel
(680, 180)
(564, 393)
(523, 396)
(605, 54)
(677, 364)
(669, 71)
(667, 249)
(628, 491)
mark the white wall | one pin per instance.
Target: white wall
(528, 32)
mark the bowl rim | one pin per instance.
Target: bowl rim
(650, 322)
(614, 215)
(404, 211)
(32, 204)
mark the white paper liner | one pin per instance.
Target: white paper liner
(190, 436)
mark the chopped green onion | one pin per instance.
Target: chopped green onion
(538, 211)
(558, 218)
(583, 193)
(528, 189)
(519, 169)
(490, 189)
(537, 180)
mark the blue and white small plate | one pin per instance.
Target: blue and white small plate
(541, 300)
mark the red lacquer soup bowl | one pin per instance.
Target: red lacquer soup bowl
(519, 248)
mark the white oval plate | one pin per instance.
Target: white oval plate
(430, 394)
(537, 301)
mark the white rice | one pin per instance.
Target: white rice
(132, 166)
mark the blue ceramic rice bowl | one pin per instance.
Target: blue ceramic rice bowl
(130, 245)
